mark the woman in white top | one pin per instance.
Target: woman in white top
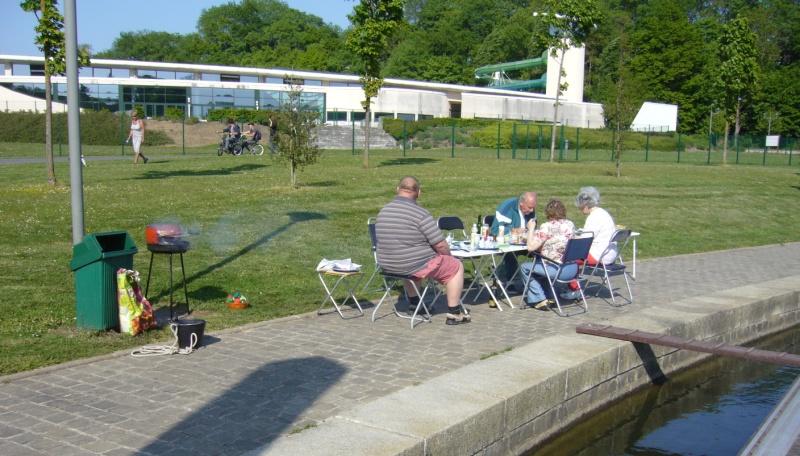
(137, 135)
(599, 222)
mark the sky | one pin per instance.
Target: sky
(101, 21)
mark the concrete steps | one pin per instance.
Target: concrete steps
(341, 137)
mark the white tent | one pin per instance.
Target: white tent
(656, 117)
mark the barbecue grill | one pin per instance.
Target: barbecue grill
(168, 239)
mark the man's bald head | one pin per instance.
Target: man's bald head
(409, 187)
(527, 202)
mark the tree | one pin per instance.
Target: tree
(296, 137)
(375, 22)
(569, 23)
(738, 74)
(50, 39)
(618, 87)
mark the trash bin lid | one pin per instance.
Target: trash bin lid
(96, 246)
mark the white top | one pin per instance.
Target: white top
(602, 225)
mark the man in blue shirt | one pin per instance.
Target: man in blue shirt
(513, 213)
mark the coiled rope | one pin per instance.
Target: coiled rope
(158, 350)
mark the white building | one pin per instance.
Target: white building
(120, 84)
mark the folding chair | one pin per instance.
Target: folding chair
(451, 223)
(391, 280)
(485, 220)
(619, 240)
(340, 277)
(374, 240)
(575, 254)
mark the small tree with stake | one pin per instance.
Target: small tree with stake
(568, 25)
(738, 74)
(375, 21)
(50, 39)
(296, 134)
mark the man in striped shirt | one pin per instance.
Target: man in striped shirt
(410, 243)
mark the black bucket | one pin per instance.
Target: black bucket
(185, 330)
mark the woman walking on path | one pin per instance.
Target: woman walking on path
(137, 134)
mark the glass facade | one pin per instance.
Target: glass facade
(155, 100)
(337, 116)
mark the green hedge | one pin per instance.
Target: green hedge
(483, 133)
(395, 126)
(240, 115)
(100, 128)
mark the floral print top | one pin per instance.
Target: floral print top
(554, 235)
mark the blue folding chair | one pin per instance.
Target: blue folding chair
(575, 254)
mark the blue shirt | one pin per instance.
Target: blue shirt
(510, 216)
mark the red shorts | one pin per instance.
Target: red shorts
(440, 268)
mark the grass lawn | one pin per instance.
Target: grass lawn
(255, 234)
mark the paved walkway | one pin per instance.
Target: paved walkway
(250, 385)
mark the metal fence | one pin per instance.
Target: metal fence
(531, 141)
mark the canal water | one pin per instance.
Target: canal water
(710, 409)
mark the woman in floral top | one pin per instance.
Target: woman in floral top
(550, 241)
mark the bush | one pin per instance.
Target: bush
(240, 115)
(483, 133)
(97, 128)
(174, 113)
(395, 126)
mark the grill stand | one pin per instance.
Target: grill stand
(179, 251)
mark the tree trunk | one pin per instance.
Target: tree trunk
(293, 174)
(725, 142)
(555, 107)
(366, 135)
(48, 130)
(48, 113)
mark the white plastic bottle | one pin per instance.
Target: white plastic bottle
(501, 238)
(473, 237)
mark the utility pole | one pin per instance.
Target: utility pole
(74, 120)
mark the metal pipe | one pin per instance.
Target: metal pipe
(74, 120)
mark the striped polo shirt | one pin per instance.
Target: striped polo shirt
(406, 233)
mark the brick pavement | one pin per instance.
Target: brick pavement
(249, 385)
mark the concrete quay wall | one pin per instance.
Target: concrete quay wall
(510, 402)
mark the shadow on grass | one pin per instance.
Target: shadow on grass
(156, 174)
(294, 217)
(208, 293)
(408, 161)
(796, 186)
(321, 184)
(253, 412)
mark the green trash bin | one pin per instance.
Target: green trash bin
(95, 261)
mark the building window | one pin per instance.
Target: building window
(248, 78)
(229, 77)
(313, 82)
(146, 74)
(184, 75)
(244, 98)
(403, 116)
(20, 69)
(357, 116)
(120, 73)
(209, 77)
(165, 75)
(337, 116)
(380, 115)
(274, 81)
